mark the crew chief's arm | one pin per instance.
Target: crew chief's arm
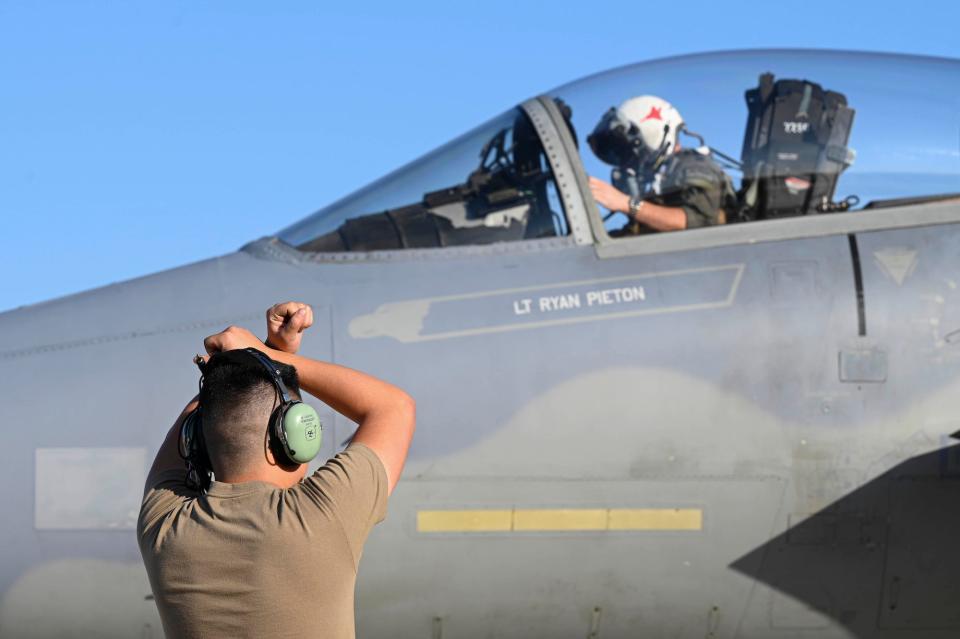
(285, 325)
(168, 457)
(386, 414)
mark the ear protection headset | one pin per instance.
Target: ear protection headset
(295, 430)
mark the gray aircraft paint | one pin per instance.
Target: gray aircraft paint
(534, 307)
(828, 505)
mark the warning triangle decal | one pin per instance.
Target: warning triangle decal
(896, 263)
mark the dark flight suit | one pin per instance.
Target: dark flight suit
(693, 182)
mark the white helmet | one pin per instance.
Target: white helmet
(641, 132)
(658, 121)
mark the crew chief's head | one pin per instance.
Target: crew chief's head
(238, 399)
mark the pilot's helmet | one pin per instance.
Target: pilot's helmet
(641, 132)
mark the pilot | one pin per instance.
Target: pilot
(264, 549)
(656, 184)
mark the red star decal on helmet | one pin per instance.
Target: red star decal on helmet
(653, 115)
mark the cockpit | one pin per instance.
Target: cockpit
(790, 134)
(491, 185)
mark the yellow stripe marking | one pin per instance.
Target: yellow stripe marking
(559, 519)
(564, 519)
(465, 520)
(655, 519)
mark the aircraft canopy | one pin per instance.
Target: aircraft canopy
(878, 130)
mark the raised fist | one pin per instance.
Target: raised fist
(285, 325)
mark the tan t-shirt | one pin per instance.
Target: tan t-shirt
(254, 560)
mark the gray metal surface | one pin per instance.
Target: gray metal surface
(728, 400)
(568, 174)
(734, 375)
(930, 214)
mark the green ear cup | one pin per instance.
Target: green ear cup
(303, 431)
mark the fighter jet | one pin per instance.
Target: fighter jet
(734, 431)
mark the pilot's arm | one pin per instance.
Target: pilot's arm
(656, 216)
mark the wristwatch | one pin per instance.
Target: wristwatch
(635, 205)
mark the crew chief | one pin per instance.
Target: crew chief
(266, 551)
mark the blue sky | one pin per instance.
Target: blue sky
(136, 137)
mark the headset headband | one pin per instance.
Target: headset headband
(273, 372)
(262, 359)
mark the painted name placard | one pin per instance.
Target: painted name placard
(534, 307)
(571, 301)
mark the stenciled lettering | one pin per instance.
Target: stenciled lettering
(573, 301)
(559, 302)
(616, 296)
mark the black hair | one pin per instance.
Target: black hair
(238, 398)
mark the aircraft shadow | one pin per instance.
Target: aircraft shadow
(882, 560)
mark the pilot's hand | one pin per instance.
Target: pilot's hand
(285, 325)
(231, 338)
(609, 196)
